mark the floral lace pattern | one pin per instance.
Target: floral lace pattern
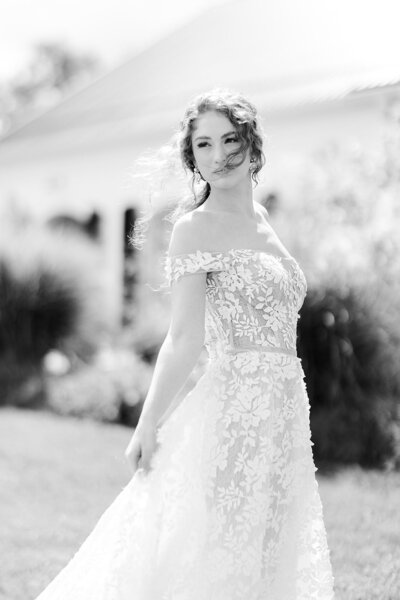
(230, 509)
(253, 297)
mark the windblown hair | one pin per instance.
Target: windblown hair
(243, 116)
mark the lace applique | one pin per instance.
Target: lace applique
(252, 297)
(185, 264)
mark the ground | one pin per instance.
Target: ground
(58, 475)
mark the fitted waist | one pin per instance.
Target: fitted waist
(217, 350)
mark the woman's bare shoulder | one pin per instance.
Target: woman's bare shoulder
(189, 233)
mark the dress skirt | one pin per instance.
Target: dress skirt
(230, 509)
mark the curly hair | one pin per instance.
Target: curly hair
(243, 116)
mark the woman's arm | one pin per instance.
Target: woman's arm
(178, 353)
(176, 360)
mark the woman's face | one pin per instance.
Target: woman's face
(213, 139)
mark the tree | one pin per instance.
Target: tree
(53, 71)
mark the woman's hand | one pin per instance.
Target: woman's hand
(142, 446)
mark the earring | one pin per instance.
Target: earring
(197, 175)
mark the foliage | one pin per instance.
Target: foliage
(48, 300)
(54, 69)
(111, 388)
(38, 309)
(342, 223)
(352, 376)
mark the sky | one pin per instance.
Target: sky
(113, 30)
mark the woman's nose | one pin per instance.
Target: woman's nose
(218, 154)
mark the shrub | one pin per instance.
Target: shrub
(111, 388)
(46, 302)
(38, 309)
(352, 376)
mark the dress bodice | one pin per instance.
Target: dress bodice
(252, 298)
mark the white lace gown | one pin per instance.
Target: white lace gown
(230, 509)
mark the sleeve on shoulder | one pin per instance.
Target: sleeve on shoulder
(176, 267)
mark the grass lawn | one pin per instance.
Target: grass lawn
(58, 475)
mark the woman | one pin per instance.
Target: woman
(223, 503)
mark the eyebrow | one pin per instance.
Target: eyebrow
(207, 137)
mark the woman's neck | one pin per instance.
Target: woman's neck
(236, 200)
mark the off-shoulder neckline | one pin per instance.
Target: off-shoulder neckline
(232, 251)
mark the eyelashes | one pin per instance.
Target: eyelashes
(230, 139)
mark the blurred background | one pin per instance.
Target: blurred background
(87, 89)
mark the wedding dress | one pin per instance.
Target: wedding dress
(230, 509)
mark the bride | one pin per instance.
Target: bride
(223, 503)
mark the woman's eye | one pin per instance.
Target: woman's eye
(230, 140)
